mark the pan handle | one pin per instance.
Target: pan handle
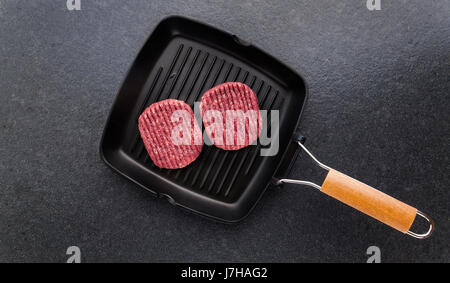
(366, 199)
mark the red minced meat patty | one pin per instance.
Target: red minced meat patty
(231, 96)
(156, 127)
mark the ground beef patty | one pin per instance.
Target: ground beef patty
(233, 132)
(172, 138)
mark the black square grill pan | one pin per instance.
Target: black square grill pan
(181, 60)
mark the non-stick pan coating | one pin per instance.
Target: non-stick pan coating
(181, 60)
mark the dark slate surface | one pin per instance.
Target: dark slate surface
(378, 110)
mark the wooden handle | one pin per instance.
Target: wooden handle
(370, 201)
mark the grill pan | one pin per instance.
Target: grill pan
(181, 60)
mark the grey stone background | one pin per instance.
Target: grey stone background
(378, 110)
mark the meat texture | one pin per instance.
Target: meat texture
(231, 115)
(170, 134)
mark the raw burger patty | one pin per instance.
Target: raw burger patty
(231, 96)
(155, 126)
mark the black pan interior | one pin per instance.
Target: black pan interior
(182, 59)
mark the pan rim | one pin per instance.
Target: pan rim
(162, 195)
